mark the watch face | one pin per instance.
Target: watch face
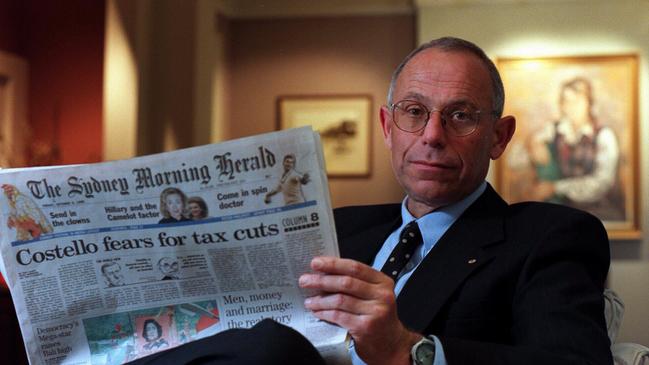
(425, 353)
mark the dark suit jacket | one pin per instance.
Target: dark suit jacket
(506, 284)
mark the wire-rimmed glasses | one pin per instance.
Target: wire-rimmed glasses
(460, 119)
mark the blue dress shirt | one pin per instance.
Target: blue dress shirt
(432, 226)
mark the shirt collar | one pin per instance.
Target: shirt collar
(434, 224)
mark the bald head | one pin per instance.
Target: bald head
(451, 44)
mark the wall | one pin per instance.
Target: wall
(165, 78)
(344, 55)
(125, 45)
(14, 89)
(572, 28)
(210, 67)
(11, 14)
(149, 76)
(63, 43)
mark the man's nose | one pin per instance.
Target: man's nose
(434, 132)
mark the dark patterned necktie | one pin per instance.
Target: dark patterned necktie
(409, 239)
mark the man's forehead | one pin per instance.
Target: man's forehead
(433, 68)
(442, 63)
(437, 55)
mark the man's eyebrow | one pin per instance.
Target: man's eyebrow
(414, 96)
(462, 102)
(465, 101)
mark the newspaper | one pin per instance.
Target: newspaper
(114, 261)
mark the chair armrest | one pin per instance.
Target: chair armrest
(630, 354)
(613, 313)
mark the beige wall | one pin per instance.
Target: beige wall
(210, 72)
(344, 55)
(571, 28)
(120, 101)
(165, 77)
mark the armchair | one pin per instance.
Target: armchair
(623, 353)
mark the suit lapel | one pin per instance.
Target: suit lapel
(459, 252)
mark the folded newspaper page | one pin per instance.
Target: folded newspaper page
(114, 261)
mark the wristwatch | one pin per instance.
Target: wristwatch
(423, 352)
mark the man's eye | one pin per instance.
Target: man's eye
(461, 116)
(415, 111)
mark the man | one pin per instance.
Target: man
(490, 283)
(498, 284)
(290, 184)
(169, 268)
(112, 272)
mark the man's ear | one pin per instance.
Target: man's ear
(386, 125)
(503, 131)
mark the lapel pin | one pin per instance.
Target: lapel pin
(472, 261)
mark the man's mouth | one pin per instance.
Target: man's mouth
(427, 167)
(431, 164)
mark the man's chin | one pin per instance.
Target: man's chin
(433, 197)
(432, 173)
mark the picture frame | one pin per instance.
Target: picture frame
(576, 136)
(13, 110)
(344, 124)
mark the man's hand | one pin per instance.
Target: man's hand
(305, 178)
(361, 300)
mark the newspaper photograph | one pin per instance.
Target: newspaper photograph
(113, 261)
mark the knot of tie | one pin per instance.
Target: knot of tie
(409, 239)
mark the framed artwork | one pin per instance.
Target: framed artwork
(13, 110)
(343, 122)
(576, 136)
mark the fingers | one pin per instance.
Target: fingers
(347, 267)
(360, 299)
(335, 275)
(338, 301)
(357, 316)
(347, 286)
(350, 321)
(337, 284)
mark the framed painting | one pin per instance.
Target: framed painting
(576, 136)
(343, 122)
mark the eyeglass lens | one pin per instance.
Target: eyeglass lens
(460, 119)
